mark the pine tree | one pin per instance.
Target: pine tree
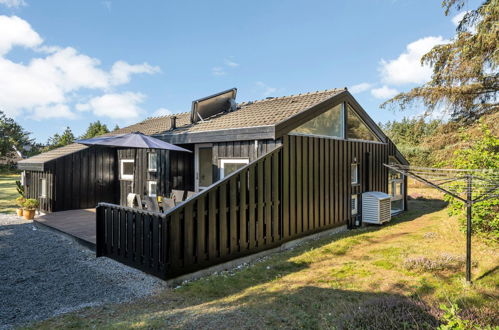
(95, 129)
(465, 79)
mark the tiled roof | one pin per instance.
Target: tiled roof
(266, 112)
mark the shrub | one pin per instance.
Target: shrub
(31, 204)
(481, 152)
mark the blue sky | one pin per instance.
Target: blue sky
(67, 63)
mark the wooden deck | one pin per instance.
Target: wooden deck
(77, 223)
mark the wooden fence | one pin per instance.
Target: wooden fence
(301, 187)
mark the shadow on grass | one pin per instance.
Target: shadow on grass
(307, 307)
(282, 264)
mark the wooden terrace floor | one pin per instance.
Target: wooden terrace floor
(77, 223)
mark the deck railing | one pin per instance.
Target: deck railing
(235, 216)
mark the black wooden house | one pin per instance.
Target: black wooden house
(264, 172)
(77, 176)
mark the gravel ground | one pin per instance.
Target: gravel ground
(44, 274)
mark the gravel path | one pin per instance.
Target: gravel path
(43, 274)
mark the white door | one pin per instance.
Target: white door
(203, 166)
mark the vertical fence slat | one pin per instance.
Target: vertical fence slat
(268, 200)
(212, 225)
(123, 231)
(285, 207)
(276, 223)
(175, 251)
(224, 238)
(200, 224)
(100, 227)
(261, 203)
(188, 235)
(233, 215)
(155, 243)
(252, 208)
(243, 239)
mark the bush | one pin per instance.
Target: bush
(31, 204)
(481, 152)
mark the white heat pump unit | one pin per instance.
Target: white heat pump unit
(376, 207)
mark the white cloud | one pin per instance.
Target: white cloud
(458, 18)
(116, 105)
(13, 3)
(407, 68)
(53, 111)
(16, 32)
(359, 88)
(218, 71)
(161, 112)
(231, 63)
(47, 85)
(266, 89)
(384, 92)
(121, 71)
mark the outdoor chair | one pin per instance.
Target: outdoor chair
(168, 203)
(178, 195)
(190, 194)
(151, 204)
(134, 201)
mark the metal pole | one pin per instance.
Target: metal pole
(469, 205)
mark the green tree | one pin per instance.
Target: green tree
(58, 141)
(481, 152)
(116, 127)
(13, 137)
(465, 71)
(408, 134)
(95, 129)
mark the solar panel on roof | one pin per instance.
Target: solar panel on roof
(211, 105)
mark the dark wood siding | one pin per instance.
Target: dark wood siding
(241, 149)
(75, 181)
(175, 171)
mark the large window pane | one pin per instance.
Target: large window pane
(229, 165)
(330, 123)
(357, 129)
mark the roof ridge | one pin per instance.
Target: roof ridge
(165, 116)
(292, 96)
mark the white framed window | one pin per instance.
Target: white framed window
(354, 201)
(229, 165)
(152, 188)
(355, 173)
(126, 169)
(152, 162)
(43, 188)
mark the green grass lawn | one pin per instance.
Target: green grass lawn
(389, 277)
(8, 193)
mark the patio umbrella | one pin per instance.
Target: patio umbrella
(131, 140)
